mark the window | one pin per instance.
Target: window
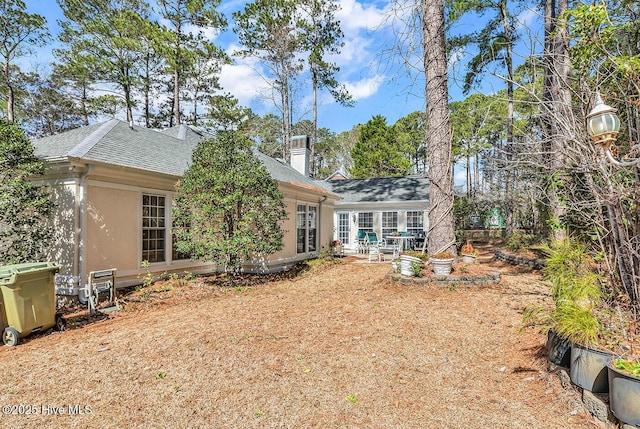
(153, 228)
(365, 221)
(313, 228)
(389, 223)
(343, 228)
(415, 223)
(306, 228)
(175, 254)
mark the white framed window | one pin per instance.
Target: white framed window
(389, 223)
(306, 228)
(415, 222)
(365, 221)
(154, 228)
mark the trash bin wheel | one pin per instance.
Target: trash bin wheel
(10, 336)
(61, 323)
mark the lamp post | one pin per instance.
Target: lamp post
(603, 125)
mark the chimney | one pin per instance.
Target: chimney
(300, 153)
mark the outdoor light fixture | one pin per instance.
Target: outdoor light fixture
(603, 125)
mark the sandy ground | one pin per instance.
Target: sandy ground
(337, 346)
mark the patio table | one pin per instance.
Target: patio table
(400, 242)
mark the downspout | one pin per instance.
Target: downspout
(324, 198)
(82, 231)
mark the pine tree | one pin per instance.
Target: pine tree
(25, 208)
(228, 209)
(376, 154)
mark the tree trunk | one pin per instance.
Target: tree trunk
(441, 227)
(557, 102)
(314, 138)
(176, 76)
(10, 96)
(509, 149)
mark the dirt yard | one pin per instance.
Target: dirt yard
(337, 346)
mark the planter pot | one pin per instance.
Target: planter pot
(405, 264)
(442, 267)
(469, 259)
(589, 368)
(395, 266)
(558, 349)
(624, 395)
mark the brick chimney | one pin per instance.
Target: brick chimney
(300, 153)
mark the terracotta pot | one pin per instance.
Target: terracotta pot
(624, 395)
(589, 368)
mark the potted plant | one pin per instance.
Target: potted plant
(411, 263)
(336, 248)
(576, 291)
(624, 389)
(469, 253)
(442, 263)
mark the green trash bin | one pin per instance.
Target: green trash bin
(28, 301)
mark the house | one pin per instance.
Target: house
(114, 183)
(384, 205)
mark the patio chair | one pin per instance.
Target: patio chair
(375, 253)
(361, 241)
(418, 242)
(372, 240)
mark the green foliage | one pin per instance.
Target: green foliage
(567, 267)
(228, 208)
(25, 209)
(520, 240)
(376, 154)
(352, 398)
(105, 40)
(576, 323)
(463, 207)
(416, 254)
(576, 291)
(416, 268)
(20, 32)
(631, 367)
(409, 133)
(321, 36)
(147, 279)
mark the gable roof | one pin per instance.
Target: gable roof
(169, 151)
(385, 189)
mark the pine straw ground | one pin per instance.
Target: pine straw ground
(334, 346)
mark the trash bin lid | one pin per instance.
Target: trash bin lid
(8, 270)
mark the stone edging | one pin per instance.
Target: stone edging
(512, 259)
(461, 280)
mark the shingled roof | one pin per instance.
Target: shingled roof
(388, 189)
(168, 151)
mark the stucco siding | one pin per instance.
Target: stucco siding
(65, 227)
(113, 229)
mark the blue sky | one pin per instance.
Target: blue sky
(378, 82)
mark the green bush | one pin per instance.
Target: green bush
(576, 291)
(519, 240)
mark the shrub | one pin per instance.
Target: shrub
(520, 240)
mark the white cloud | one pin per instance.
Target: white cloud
(354, 15)
(364, 88)
(242, 81)
(528, 18)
